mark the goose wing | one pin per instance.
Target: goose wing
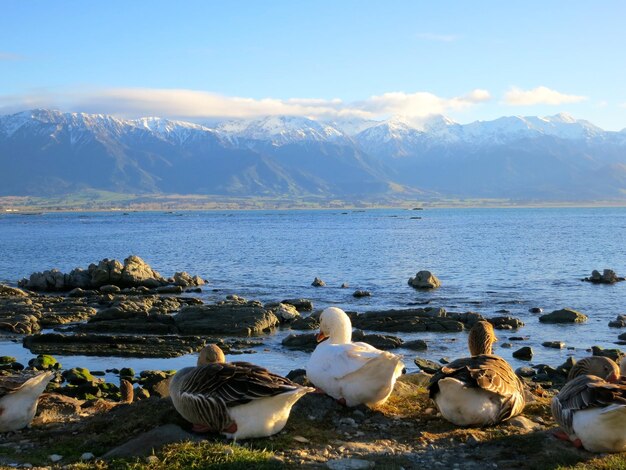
(203, 394)
(235, 383)
(583, 392)
(490, 373)
(11, 382)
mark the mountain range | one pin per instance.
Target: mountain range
(555, 158)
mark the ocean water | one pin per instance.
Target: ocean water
(488, 260)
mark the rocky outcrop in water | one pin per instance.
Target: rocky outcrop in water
(134, 272)
(410, 320)
(82, 344)
(227, 318)
(619, 322)
(565, 315)
(608, 276)
(424, 280)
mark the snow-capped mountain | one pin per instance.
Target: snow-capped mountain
(554, 157)
(279, 130)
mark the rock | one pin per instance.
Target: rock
(525, 371)
(564, 368)
(505, 323)
(303, 342)
(619, 322)
(55, 458)
(524, 423)
(349, 464)
(565, 315)
(614, 354)
(87, 456)
(415, 345)
(227, 319)
(127, 372)
(308, 323)
(8, 291)
(608, 276)
(378, 341)
(361, 293)
(109, 289)
(410, 320)
(44, 362)
(78, 376)
(7, 360)
(525, 353)
(622, 337)
(169, 290)
(553, 344)
(427, 366)
(78, 292)
(317, 282)
(345, 285)
(506, 345)
(302, 305)
(146, 443)
(127, 392)
(285, 313)
(424, 280)
(184, 279)
(535, 310)
(84, 344)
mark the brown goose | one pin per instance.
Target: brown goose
(592, 413)
(599, 366)
(481, 338)
(238, 399)
(19, 394)
(479, 390)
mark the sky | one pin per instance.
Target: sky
(323, 59)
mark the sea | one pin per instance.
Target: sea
(491, 261)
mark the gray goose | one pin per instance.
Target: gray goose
(592, 413)
(238, 399)
(479, 390)
(599, 366)
(19, 394)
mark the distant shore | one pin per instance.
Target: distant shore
(113, 202)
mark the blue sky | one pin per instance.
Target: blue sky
(325, 59)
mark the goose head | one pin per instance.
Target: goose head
(481, 338)
(335, 325)
(211, 354)
(600, 366)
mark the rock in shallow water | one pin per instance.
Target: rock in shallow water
(424, 280)
(565, 315)
(226, 319)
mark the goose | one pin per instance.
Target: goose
(351, 373)
(622, 367)
(479, 390)
(599, 366)
(19, 394)
(481, 338)
(238, 399)
(592, 413)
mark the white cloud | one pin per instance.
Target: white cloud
(195, 104)
(437, 37)
(540, 95)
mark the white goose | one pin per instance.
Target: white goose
(238, 399)
(19, 394)
(479, 390)
(352, 373)
(592, 413)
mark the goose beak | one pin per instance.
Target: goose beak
(612, 378)
(320, 337)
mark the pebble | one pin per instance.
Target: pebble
(55, 457)
(87, 456)
(152, 459)
(301, 439)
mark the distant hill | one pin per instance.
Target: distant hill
(556, 158)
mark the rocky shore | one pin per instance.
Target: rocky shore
(129, 310)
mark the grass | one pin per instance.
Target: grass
(192, 456)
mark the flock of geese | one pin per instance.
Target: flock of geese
(242, 400)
